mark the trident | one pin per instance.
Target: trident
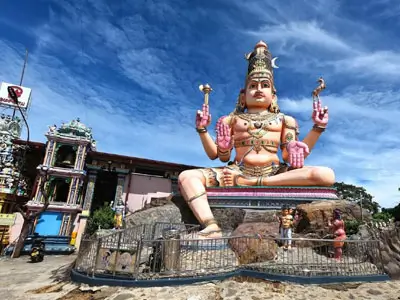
(318, 89)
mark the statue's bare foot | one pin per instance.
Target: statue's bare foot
(234, 178)
(210, 232)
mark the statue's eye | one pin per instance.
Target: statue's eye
(253, 86)
(265, 85)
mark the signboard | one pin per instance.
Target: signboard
(7, 219)
(6, 190)
(23, 94)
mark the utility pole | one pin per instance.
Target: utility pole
(22, 78)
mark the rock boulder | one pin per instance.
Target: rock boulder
(315, 215)
(252, 229)
(166, 214)
(252, 250)
(177, 211)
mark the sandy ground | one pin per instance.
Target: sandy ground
(20, 279)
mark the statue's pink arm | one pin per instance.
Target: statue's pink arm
(311, 139)
(290, 131)
(224, 140)
(209, 145)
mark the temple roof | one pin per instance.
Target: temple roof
(72, 130)
(75, 127)
(128, 160)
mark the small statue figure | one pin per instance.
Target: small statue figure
(337, 227)
(118, 220)
(52, 129)
(254, 131)
(285, 227)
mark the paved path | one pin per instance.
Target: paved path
(21, 280)
(18, 276)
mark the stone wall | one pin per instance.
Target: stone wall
(264, 222)
(389, 244)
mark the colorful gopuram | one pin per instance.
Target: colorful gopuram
(10, 164)
(81, 180)
(64, 162)
(14, 185)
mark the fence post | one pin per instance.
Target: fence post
(138, 255)
(100, 240)
(117, 252)
(171, 249)
(380, 253)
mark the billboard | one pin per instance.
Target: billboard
(23, 94)
(7, 219)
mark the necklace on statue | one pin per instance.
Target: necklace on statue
(258, 125)
(258, 118)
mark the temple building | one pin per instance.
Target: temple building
(81, 180)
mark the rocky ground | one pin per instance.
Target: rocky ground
(20, 279)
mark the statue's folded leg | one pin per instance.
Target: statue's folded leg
(306, 176)
(283, 176)
(193, 185)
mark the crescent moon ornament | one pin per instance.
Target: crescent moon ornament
(273, 63)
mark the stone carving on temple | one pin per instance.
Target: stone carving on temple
(11, 157)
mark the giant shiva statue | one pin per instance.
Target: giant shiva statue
(256, 130)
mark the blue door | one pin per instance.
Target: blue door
(49, 223)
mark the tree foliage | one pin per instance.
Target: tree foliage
(383, 216)
(358, 195)
(102, 218)
(394, 212)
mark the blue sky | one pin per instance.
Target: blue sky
(131, 71)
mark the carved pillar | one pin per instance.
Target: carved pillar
(73, 190)
(83, 157)
(174, 185)
(38, 195)
(49, 153)
(77, 149)
(79, 185)
(119, 190)
(87, 203)
(80, 157)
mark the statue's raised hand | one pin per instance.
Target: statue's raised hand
(320, 115)
(297, 151)
(224, 135)
(203, 117)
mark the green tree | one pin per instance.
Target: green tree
(383, 216)
(102, 217)
(394, 212)
(357, 194)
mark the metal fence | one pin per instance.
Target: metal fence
(164, 250)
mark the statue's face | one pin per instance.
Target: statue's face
(285, 212)
(259, 93)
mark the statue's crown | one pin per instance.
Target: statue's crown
(259, 61)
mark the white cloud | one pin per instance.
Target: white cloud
(309, 33)
(361, 143)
